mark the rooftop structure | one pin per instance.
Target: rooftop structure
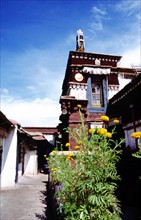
(91, 79)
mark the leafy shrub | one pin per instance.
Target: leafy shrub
(88, 176)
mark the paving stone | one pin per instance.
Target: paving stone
(26, 200)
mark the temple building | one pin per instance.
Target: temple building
(90, 80)
(126, 105)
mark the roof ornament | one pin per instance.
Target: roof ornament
(80, 41)
(97, 62)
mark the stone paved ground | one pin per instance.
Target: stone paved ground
(25, 201)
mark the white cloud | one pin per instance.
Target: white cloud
(34, 79)
(36, 75)
(128, 6)
(98, 15)
(4, 91)
(32, 99)
(118, 31)
(98, 12)
(36, 113)
(131, 57)
(33, 74)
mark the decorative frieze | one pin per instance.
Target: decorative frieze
(112, 90)
(94, 56)
(97, 71)
(77, 90)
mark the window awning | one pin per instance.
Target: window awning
(97, 71)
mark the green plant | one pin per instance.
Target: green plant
(88, 176)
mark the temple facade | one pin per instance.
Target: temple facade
(90, 80)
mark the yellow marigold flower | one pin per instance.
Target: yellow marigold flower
(69, 158)
(102, 131)
(54, 151)
(79, 106)
(108, 135)
(91, 130)
(53, 169)
(70, 154)
(136, 134)
(67, 145)
(77, 147)
(104, 118)
(116, 121)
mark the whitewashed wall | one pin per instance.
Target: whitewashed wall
(78, 90)
(8, 168)
(30, 163)
(50, 138)
(112, 90)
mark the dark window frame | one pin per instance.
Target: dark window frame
(96, 93)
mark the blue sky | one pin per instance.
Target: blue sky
(36, 37)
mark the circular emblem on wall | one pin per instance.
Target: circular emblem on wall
(64, 112)
(79, 77)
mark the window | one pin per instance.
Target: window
(81, 36)
(96, 96)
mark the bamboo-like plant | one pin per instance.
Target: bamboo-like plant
(88, 176)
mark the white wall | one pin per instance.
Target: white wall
(50, 138)
(78, 90)
(30, 163)
(8, 169)
(19, 170)
(112, 90)
(123, 82)
(129, 140)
